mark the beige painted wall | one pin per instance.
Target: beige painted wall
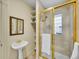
(20, 9)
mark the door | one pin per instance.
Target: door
(46, 35)
(3, 31)
(63, 31)
(57, 32)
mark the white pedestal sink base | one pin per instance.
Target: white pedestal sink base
(19, 45)
(20, 54)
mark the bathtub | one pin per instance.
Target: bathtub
(46, 48)
(60, 56)
(57, 56)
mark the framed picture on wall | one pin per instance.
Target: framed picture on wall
(16, 26)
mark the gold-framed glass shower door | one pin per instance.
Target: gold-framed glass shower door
(57, 33)
(63, 31)
(46, 35)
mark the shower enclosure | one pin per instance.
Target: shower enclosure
(57, 31)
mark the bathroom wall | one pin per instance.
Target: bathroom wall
(16, 8)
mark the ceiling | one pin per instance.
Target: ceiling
(45, 3)
(50, 3)
(31, 3)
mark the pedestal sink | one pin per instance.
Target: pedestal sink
(19, 45)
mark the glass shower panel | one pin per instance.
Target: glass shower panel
(45, 33)
(63, 32)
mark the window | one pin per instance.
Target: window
(58, 24)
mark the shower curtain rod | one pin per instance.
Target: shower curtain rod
(61, 5)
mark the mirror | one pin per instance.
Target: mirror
(16, 26)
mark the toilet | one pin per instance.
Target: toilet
(75, 53)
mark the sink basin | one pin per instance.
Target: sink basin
(19, 44)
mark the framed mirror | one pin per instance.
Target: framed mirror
(16, 26)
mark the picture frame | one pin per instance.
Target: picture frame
(16, 26)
